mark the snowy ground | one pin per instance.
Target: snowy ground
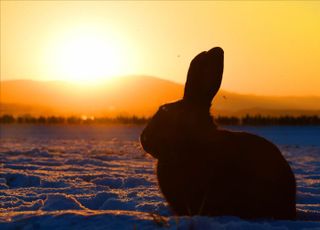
(98, 177)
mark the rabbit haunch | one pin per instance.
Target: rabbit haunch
(203, 170)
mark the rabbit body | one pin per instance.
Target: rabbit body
(204, 170)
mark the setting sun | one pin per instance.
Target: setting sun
(87, 56)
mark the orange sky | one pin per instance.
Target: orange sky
(271, 48)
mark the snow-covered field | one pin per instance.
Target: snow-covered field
(98, 177)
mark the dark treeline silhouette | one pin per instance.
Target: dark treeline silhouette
(282, 120)
(268, 120)
(27, 119)
(220, 120)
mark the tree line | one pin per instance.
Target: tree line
(220, 120)
(268, 120)
(27, 119)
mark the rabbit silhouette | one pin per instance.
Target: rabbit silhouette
(204, 170)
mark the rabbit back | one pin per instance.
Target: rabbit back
(248, 178)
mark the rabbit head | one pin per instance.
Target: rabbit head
(185, 119)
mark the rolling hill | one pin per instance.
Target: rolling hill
(139, 95)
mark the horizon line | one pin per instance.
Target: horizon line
(162, 79)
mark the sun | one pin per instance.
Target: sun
(88, 56)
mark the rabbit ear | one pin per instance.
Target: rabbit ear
(204, 77)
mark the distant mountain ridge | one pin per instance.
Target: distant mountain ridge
(134, 95)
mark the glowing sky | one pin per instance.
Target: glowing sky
(271, 48)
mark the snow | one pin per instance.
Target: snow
(98, 177)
